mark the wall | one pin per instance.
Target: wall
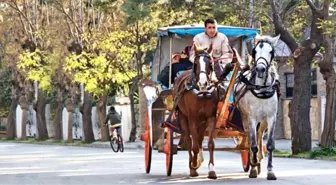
(315, 119)
(124, 110)
(316, 112)
(30, 123)
(282, 68)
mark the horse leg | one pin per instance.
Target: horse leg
(184, 124)
(260, 132)
(182, 143)
(201, 132)
(253, 148)
(195, 148)
(211, 147)
(270, 147)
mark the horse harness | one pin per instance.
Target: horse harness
(181, 92)
(250, 84)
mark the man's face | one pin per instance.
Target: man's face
(211, 30)
(176, 59)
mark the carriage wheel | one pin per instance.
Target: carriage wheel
(148, 156)
(148, 148)
(168, 150)
(245, 156)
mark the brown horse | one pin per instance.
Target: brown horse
(197, 110)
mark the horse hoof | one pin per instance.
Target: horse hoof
(212, 175)
(271, 176)
(253, 173)
(193, 173)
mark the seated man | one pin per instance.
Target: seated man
(179, 64)
(221, 49)
(183, 64)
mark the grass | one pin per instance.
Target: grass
(279, 153)
(316, 153)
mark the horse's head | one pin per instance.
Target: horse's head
(203, 67)
(263, 53)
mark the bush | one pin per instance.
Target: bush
(322, 152)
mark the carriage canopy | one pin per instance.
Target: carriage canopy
(176, 38)
(192, 30)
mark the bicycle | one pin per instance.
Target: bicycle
(115, 141)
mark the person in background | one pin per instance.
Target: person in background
(163, 77)
(183, 64)
(115, 120)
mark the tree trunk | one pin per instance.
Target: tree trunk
(133, 133)
(71, 111)
(101, 116)
(58, 127)
(142, 110)
(24, 107)
(11, 120)
(300, 106)
(87, 122)
(328, 134)
(132, 137)
(40, 116)
(303, 53)
(70, 123)
(329, 74)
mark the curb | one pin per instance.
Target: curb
(127, 145)
(138, 145)
(307, 158)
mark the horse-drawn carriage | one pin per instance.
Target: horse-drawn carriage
(160, 102)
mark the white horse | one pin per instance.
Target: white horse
(258, 104)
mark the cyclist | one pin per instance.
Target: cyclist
(115, 120)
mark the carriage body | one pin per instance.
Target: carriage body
(155, 109)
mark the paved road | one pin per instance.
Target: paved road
(29, 164)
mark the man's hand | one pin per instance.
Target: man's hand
(229, 66)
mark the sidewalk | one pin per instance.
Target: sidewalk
(283, 144)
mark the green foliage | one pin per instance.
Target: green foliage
(5, 95)
(322, 152)
(316, 153)
(106, 68)
(136, 9)
(36, 66)
(329, 27)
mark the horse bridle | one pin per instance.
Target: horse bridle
(207, 55)
(267, 65)
(263, 58)
(211, 87)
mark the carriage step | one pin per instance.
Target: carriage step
(173, 127)
(175, 149)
